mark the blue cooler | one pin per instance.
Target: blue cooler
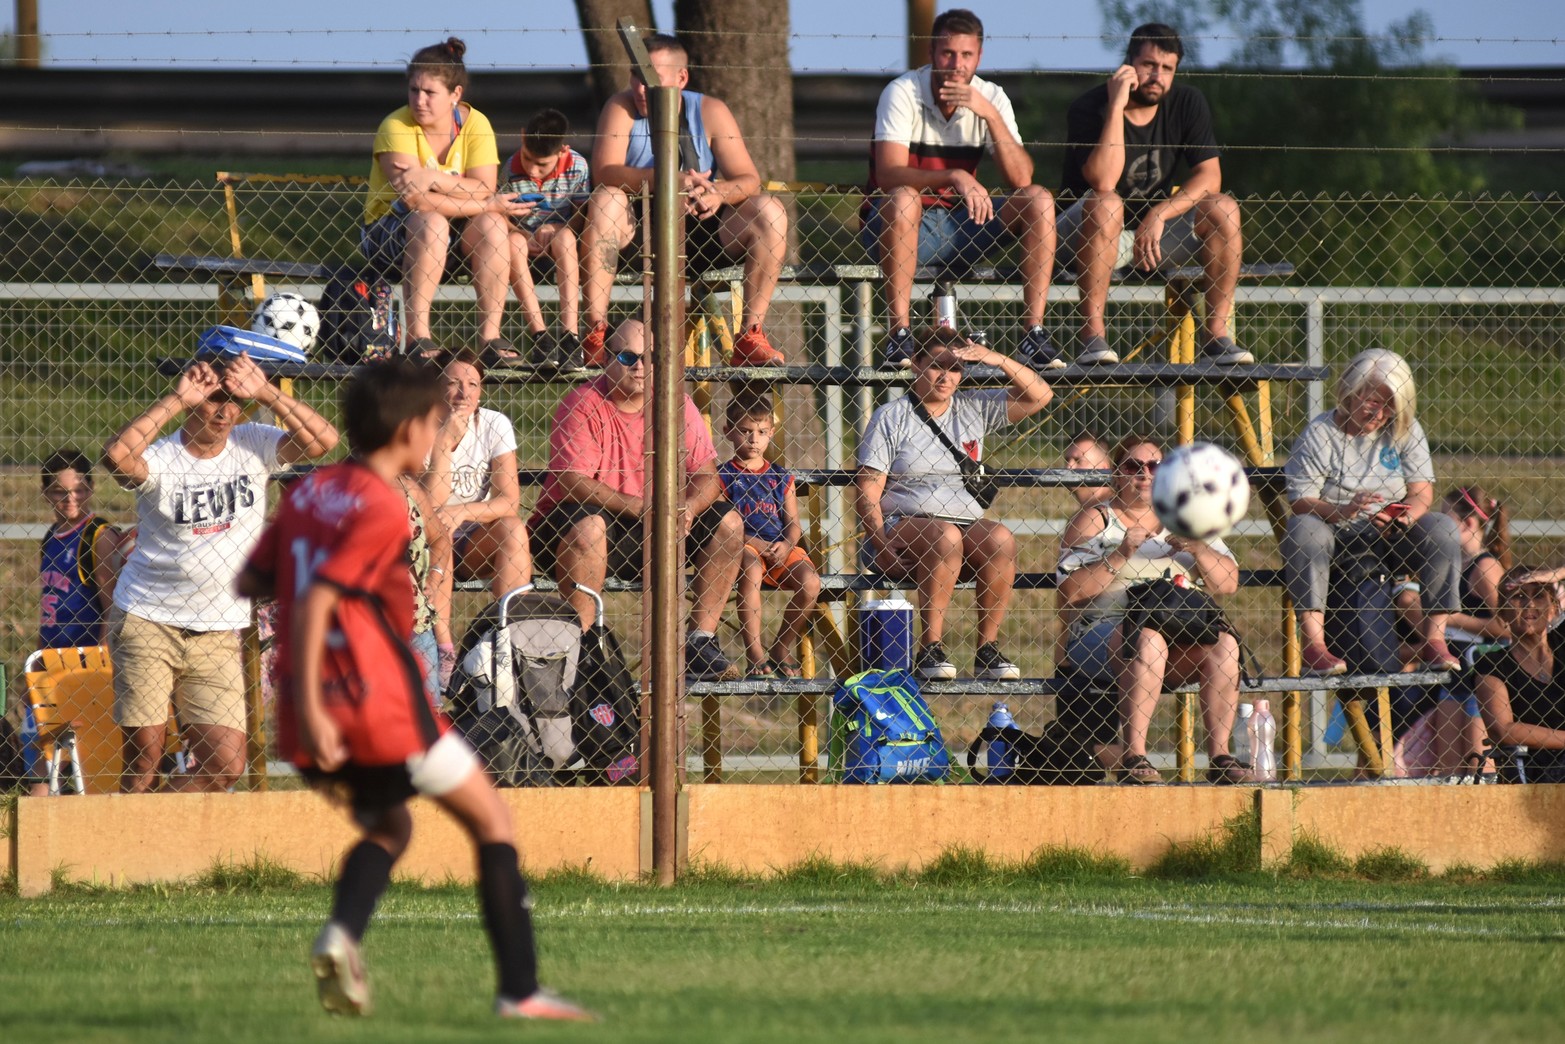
(886, 635)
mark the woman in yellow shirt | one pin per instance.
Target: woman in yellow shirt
(433, 187)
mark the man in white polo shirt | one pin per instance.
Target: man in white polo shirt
(926, 205)
(200, 505)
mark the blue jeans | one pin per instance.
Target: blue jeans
(428, 654)
(946, 235)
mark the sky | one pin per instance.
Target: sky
(865, 36)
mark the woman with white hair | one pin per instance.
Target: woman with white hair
(1361, 481)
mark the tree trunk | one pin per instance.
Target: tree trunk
(739, 53)
(600, 28)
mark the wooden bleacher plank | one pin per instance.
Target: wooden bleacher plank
(240, 266)
(1049, 686)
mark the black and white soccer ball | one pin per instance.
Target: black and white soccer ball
(287, 317)
(1200, 491)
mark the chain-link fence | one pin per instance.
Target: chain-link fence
(107, 287)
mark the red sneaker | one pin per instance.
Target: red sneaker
(593, 352)
(1437, 656)
(1318, 662)
(753, 349)
(542, 1005)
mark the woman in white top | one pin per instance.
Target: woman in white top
(472, 479)
(1105, 549)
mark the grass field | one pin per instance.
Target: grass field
(826, 953)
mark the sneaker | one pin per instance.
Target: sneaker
(1437, 656)
(1036, 350)
(339, 972)
(704, 660)
(1096, 351)
(753, 349)
(899, 349)
(1319, 662)
(990, 663)
(594, 355)
(541, 352)
(931, 663)
(542, 1004)
(1224, 352)
(568, 355)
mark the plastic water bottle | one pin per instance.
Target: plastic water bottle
(997, 757)
(1263, 742)
(945, 305)
(1240, 745)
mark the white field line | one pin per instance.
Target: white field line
(1179, 914)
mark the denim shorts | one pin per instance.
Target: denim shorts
(384, 240)
(1088, 652)
(946, 235)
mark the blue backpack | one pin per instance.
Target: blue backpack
(889, 736)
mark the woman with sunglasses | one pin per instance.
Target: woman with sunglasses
(1521, 688)
(1361, 483)
(918, 518)
(1106, 548)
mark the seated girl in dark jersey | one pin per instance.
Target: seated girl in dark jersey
(1521, 689)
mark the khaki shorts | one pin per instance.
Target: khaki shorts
(203, 670)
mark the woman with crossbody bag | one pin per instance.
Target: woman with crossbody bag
(920, 465)
(1108, 552)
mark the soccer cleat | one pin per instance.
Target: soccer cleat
(1036, 350)
(1319, 662)
(753, 349)
(542, 1005)
(704, 660)
(594, 354)
(991, 664)
(339, 972)
(932, 664)
(1224, 352)
(1096, 351)
(899, 349)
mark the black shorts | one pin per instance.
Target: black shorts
(368, 790)
(625, 536)
(703, 241)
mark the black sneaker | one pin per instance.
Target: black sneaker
(1224, 352)
(899, 348)
(704, 660)
(1036, 350)
(541, 353)
(991, 664)
(931, 663)
(569, 357)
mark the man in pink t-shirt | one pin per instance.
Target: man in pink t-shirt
(588, 522)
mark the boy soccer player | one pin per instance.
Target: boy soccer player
(353, 713)
(547, 167)
(764, 494)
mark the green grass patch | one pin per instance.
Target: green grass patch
(258, 873)
(1235, 849)
(790, 960)
(1390, 864)
(1312, 857)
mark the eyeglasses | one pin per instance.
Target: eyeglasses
(629, 359)
(1133, 466)
(79, 492)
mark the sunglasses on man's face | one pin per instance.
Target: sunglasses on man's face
(1132, 466)
(629, 359)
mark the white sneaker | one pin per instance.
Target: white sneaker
(339, 972)
(542, 1005)
(1095, 351)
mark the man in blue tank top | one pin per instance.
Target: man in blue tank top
(727, 214)
(79, 558)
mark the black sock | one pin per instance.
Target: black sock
(365, 874)
(508, 918)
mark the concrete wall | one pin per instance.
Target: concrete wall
(761, 829)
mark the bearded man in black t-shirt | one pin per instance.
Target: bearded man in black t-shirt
(1125, 139)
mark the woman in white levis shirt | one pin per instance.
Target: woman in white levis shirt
(200, 504)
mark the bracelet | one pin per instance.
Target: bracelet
(437, 569)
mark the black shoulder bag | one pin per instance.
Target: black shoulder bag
(1183, 615)
(976, 479)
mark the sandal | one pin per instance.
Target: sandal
(1136, 770)
(497, 351)
(765, 670)
(788, 669)
(424, 347)
(1225, 769)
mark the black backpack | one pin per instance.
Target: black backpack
(1060, 757)
(359, 318)
(605, 706)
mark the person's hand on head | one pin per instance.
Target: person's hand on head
(197, 384)
(1121, 82)
(242, 378)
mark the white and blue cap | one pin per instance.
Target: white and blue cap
(228, 341)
